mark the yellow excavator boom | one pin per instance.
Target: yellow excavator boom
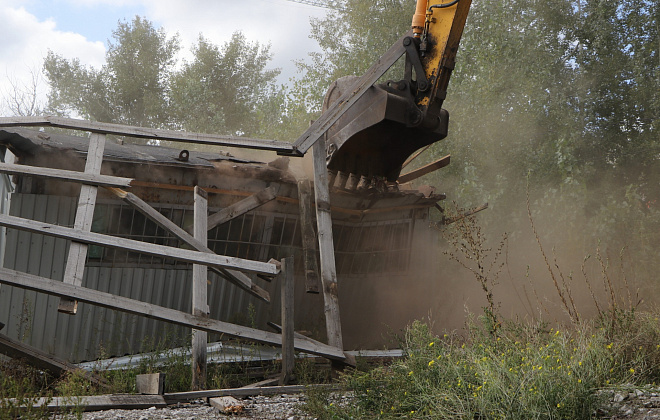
(391, 120)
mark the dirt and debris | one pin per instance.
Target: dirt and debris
(627, 403)
(285, 406)
(631, 403)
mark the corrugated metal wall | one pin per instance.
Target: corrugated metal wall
(371, 257)
(95, 331)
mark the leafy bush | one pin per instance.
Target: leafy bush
(524, 372)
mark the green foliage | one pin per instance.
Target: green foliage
(527, 372)
(21, 385)
(131, 88)
(224, 90)
(351, 38)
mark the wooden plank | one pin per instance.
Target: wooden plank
(310, 249)
(287, 287)
(64, 175)
(200, 307)
(265, 382)
(102, 402)
(75, 264)
(138, 246)
(149, 310)
(278, 328)
(245, 392)
(281, 147)
(42, 360)
(326, 247)
(242, 207)
(416, 155)
(426, 169)
(338, 108)
(236, 277)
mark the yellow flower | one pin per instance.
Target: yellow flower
(431, 344)
(632, 370)
(579, 381)
(410, 373)
(609, 346)
(431, 363)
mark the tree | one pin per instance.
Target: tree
(226, 89)
(352, 37)
(131, 88)
(22, 98)
(566, 93)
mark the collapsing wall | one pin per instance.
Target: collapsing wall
(377, 250)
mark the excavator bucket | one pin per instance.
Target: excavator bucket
(386, 124)
(379, 132)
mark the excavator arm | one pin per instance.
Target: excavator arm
(371, 140)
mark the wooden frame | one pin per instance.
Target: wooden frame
(280, 147)
(201, 257)
(149, 310)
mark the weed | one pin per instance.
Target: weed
(470, 250)
(21, 388)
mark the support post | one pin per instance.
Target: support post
(287, 285)
(200, 305)
(326, 247)
(308, 236)
(75, 264)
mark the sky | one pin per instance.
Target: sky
(80, 29)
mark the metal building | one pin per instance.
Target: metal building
(381, 244)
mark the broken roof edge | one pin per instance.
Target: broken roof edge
(27, 141)
(31, 142)
(281, 147)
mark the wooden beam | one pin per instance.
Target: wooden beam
(42, 360)
(245, 392)
(281, 147)
(149, 310)
(310, 248)
(242, 207)
(75, 264)
(426, 169)
(200, 307)
(138, 246)
(326, 247)
(102, 402)
(236, 277)
(416, 155)
(64, 175)
(287, 310)
(338, 108)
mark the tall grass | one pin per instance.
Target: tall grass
(505, 369)
(526, 372)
